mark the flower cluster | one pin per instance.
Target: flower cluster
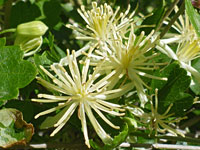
(188, 45)
(115, 62)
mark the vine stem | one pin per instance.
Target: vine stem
(168, 12)
(8, 30)
(8, 6)
(165, 146)
(181, 10)
(51, 145)
(83, 147)
(170, 138)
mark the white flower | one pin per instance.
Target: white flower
(101, 21)
(162, 120)
(128, 59)
(188, 48)
(185, 53)
(83, 91)
(184, 29)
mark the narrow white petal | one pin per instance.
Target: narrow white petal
(192, 70)
(51, 86)
(97, 127)
(67, 114)
(108, 110)
(51, 110)
(53, 97)
(46, 100)
(83, 123)
(103, 117)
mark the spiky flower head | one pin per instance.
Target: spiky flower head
(184, 30)
(185, 53)
(159, 122)
(85, 92)
(188, 51)
(128, 59)
(101, 21)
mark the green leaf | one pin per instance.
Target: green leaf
(42, 60)
(177, 83)
(159, 84)
(55, 52)
(195, 86)
(15, 72)
(121, 137)
(2, 2)
(51, 10)
(184, 102)
(13, 129)
(193, 16)
(173, 91)
(23, 12)
(118, 139)
(2, 41)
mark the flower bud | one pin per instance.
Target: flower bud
(33, 28)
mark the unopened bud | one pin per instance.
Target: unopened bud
(33, 28)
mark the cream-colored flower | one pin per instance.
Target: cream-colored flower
(101, 21)
(188, 48)
(185, 53)
(87, 92)
(128, 59)
(184, 29)
(159, 122)
(188, 51)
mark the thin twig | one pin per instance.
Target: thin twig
(181, 10)
(173, 146)
(8, 6)
(169, 138)
(168, 12)
(72, 146)
(165, 146)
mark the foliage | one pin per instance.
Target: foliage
(91, 75)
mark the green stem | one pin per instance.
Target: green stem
(165, 146)
(168, 12)
(8, 30)
(170, 138)
(8, 6)
(181, 10)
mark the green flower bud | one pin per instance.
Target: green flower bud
(33, 28)
(29, 45)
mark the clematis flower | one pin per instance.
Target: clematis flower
(101, 21)
(186, 52)
(82, 91)
(183, 27)
(159, 122)
(128, 59)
